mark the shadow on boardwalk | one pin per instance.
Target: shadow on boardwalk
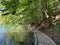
(43, 39)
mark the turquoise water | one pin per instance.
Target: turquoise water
(2, 31)
(7, 40)
(10, 41)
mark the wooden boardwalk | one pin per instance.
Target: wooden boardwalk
(42, 39)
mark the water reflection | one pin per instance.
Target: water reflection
(2, 31)
(15, 37)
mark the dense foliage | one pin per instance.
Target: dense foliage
(21, 11)
(15, 12)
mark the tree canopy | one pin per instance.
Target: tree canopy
(15, 12)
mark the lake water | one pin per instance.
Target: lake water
(8, 41)
(2, 31)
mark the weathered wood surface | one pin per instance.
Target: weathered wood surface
(43, 39)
